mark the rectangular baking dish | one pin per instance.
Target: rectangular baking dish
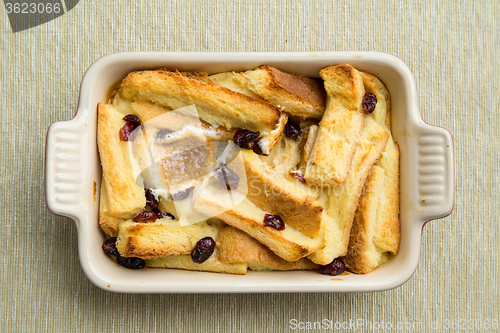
(73, 174)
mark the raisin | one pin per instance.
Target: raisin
(132, 262)
(181, 195)
(227, 178)
(336, 267)
(245, 138)
(109, 246)
(257, 148)
(146, 217)
(274, 221)
(203, 250)
(292, 130)
(158, 213)
(297, 174)
(160, 136)
(132, 122)
(151, 199)
(369, 102)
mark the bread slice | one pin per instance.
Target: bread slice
(213, 264)
(382, 112)
(298, 95)
(363, 256)
(388, 234)
(175, 120)
(340, 127)
(287, 156)
(108, 223)
(125, 197)
(161, 238)
(289, 244)
(237, 246)
(344, 198)
(375, 232)
(234, 81)
(274, 194)
(216, 105)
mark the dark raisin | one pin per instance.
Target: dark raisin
(181, 195)
(203, 250)
(227, 178)
(132, 262)
(151, 199)
(109, 246)
(160, 136)
(274, 221)
(159, 214)
(146, 217)
(257, 148)
(336, 267)
(369, 102)
(245, 138)
(292, 130)
(132, 122)
(297, 174)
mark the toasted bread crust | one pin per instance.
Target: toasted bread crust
(234, 81)
(125, 197)
(274, 194)
(363, 256)
(161, 238)
(216, 105)
(289, 244)
(109, 224)
(298, 95)
(345, 197)
(339, 129)
(237, 246)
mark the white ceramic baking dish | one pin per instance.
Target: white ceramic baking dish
(73, 174)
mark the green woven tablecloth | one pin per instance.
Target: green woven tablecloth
(452, 49)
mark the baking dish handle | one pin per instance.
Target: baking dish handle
(436, 172)
(64, 177)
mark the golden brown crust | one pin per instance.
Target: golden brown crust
(363, 256)
(339, 129)
(125, 197)
(215, 104)
(161, 238)
(298, 95)
(289, 244)
(234, 81)
(109, 224)
(274, 194)
(388, 235)
(344, 198)
(237, 246)
(376, 230)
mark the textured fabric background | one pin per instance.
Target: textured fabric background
(452, 48)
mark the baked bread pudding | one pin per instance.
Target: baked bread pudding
(259, 170)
